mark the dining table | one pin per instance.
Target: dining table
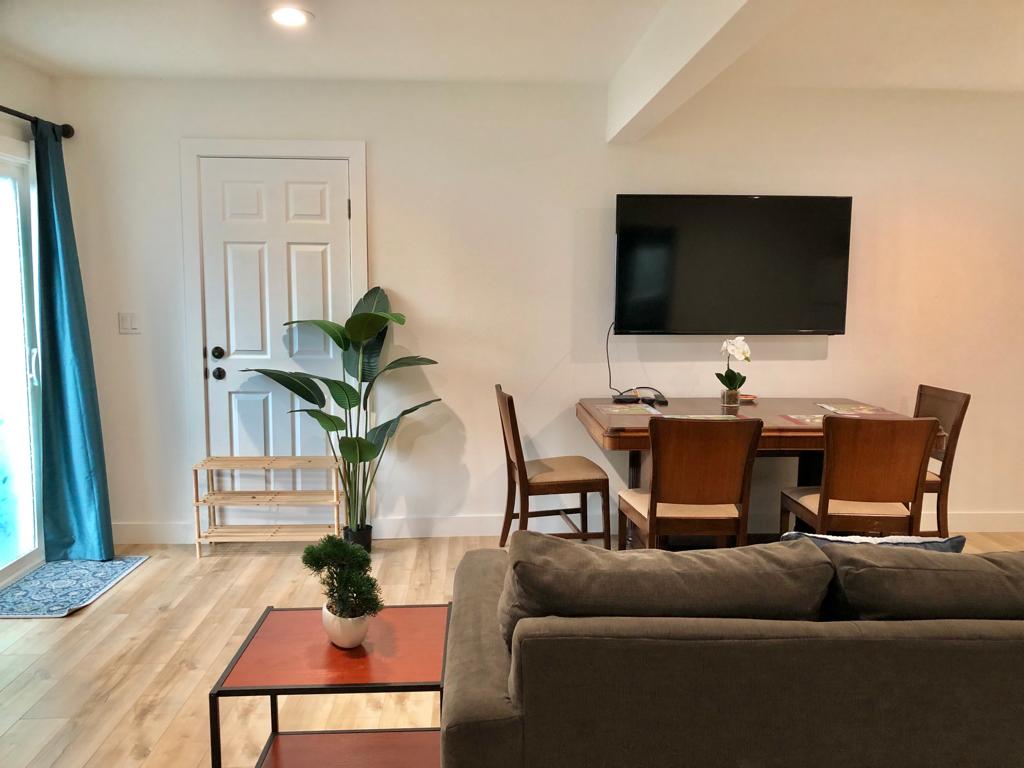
(792, 426)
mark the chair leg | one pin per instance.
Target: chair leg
(606, 518)
(784, 519)
(741, 537)
(524, 509)
(623, 530)
(583, 515)
(510, 507)
(942, 514)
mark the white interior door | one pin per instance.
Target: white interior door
(275, 246)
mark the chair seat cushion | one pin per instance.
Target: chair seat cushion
(641, 501)
(548, 576)
(808, 497)
(901, 583)
(563, 469)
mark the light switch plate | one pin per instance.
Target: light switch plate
(128, 323)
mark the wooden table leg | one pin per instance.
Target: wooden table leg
(635, 460)
(809, 468)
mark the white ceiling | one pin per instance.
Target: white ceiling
(944, 44)
(923, 44)
(489, 40)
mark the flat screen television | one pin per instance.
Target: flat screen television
(731, 264)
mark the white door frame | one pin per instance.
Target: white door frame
(192, 151)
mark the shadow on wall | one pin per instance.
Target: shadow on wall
(431, 441)
(593, 303)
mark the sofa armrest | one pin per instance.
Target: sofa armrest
(479, 725)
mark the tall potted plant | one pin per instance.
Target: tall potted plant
(357, 446)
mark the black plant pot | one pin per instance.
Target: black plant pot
(363, 536)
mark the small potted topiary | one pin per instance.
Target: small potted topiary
(353, 595)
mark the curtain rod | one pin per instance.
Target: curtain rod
(66, 130)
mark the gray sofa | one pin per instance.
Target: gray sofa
(679, 690)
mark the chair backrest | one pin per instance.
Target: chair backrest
(950, 408)
(510, 431)
(875, 459)
(702, 461)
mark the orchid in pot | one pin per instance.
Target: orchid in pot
(357, 445)
(352, 594)
(732, 380)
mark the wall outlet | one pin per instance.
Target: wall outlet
(128, 324)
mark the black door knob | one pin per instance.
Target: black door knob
(217, 353)
(219, 373)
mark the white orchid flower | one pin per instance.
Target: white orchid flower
(737, 348)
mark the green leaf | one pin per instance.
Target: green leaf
(357, 450)
(328, 421)
(343, 393)
(336, 331)
(363, 326)
(375, 300)
(378, 434)
(401, 362)
(721, 378)
(301, 384)
(741, 382)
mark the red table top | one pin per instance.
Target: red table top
(404, 647)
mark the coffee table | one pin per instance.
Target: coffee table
(287, 653)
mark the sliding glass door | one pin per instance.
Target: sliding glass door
(20, 526)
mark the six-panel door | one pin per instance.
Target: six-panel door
(275, 247)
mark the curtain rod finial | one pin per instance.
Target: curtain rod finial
(67, 130)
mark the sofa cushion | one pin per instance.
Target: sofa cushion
(934, 543)
(903, 583)
(548, 576)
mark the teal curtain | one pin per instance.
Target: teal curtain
(75, 504)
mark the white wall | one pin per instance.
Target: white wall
(491, 226)
(26, 89)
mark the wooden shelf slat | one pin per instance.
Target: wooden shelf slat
(267, 462)
(267, 498)
(264, 533)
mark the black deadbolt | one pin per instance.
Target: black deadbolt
(217, 353)
(218, 373)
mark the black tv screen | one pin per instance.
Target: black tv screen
(725, 264)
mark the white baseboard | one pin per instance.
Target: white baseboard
(986, 522)
(139, 532)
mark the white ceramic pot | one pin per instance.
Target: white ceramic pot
(345, 633)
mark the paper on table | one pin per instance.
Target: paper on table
(703, 416)
(852, 410)
(811, 420)
(629, 409)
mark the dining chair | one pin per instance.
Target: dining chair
(950, 408)
(700, 481)
(545, 477)
(873, 478)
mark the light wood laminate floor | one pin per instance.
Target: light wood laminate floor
(124, 682)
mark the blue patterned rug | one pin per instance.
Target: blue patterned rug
(56, 589)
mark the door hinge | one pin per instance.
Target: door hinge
(350, 208)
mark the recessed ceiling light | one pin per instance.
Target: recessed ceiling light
(290, 16)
